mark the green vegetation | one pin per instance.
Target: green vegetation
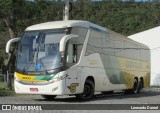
(3, 90)
(2, 85)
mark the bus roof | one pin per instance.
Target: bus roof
(64, 24)
(74, 23)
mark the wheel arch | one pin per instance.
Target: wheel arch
(133, 80)
(141, 79)
(91, 78)
(136, 78)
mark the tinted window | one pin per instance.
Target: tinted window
(107, 43)
(119, 47)
(94, 44)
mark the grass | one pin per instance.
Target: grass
(2, 85)
(4, 91)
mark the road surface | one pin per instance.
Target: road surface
(145, 98)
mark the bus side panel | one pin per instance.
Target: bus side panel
(105, 78)
(92, 67)
(73, 80)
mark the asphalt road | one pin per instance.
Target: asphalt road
(146, 97)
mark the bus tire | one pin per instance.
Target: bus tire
(140, 86)
(135, 88)
(88, 92)
(49, 97)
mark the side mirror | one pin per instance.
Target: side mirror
(64, 40)
(10, 42)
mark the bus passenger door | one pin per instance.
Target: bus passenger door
(73, 79)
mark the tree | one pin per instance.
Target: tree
(6, 14)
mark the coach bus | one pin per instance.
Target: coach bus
(78, 58)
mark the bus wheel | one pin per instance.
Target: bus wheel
(49, 97)
(140, 86)
(88, 92)
(135, 88)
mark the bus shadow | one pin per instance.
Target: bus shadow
(122, 95)
(99, 97)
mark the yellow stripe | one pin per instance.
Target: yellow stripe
(28, 78)
(133, 68)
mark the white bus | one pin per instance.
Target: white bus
(78, 58)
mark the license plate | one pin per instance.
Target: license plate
(34, 89)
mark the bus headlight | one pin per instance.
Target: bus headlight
(59, 78)
(16, 78)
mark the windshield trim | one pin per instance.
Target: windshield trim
(44, 69)
(47, 72)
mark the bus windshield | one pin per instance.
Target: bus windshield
(39, 51)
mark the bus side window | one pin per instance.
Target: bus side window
(74, 49)
(71, 55)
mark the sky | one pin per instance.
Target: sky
(124, 0)
(141, 0)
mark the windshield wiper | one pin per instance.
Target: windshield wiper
(41, 35)
(45, 69)
(27, 66)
